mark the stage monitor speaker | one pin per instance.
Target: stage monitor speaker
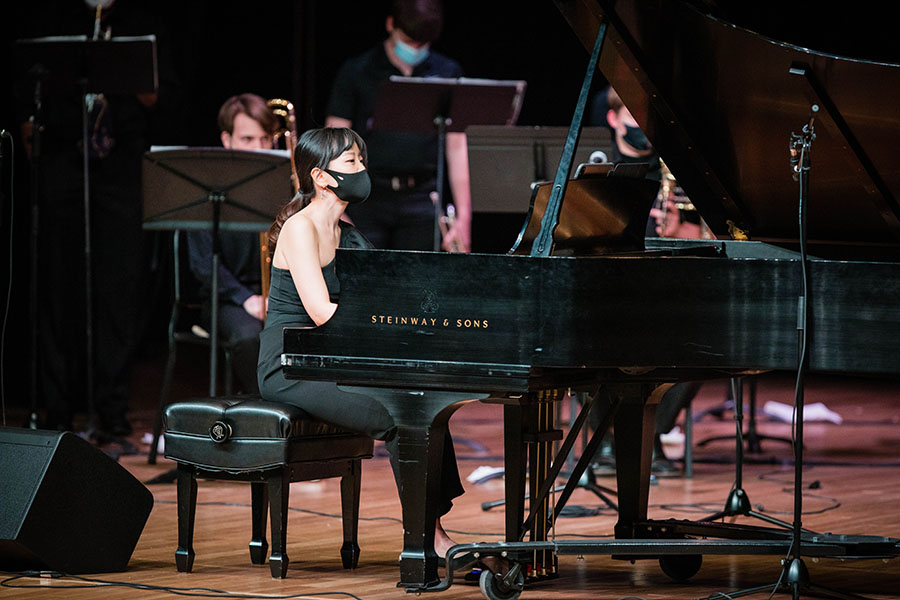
(66, 506)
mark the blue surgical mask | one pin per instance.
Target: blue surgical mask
(408, 54)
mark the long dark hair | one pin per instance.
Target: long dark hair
(315, 148)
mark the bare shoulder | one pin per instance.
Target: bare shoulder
(297, 237)
(298, 223)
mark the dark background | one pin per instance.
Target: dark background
(291, 49)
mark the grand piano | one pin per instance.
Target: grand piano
(576, 304)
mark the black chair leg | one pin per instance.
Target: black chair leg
(351, 482)
(259, 500)
(279, 486)
(187, 509)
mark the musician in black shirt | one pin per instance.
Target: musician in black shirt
(632, 146)
(399, 215)
(122, 127)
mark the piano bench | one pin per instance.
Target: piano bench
(269, 444)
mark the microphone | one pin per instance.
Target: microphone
(798, 141)
(812, 117)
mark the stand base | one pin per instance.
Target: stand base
(738, 505)
(587, 481)
(794, 580)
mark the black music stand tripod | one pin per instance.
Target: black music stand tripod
(212, 189)
(445, 106)
(752, 437)
(70, 66)
(738, 502)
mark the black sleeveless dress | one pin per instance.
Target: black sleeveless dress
(325, 401)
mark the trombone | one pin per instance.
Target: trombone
(285, 135)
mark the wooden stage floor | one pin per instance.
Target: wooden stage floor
(851, 485)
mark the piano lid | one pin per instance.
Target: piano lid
(720, 104)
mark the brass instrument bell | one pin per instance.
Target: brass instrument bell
(285, 136)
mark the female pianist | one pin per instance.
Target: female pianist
(331, 166)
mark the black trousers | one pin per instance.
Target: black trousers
(327, 402)
(239, 330)
(672, 403)
(118, 274)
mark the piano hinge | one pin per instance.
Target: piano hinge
(736, 232)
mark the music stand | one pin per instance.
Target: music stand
(445, 105)
(66, 66)
(510, 159)
(213, 189)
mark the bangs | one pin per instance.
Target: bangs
(343, 140)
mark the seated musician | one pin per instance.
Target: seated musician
(331, 167)
(632, 146)
(246, 123)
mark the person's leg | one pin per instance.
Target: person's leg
(672, 403)
(326, 402)
(239, 331)
(118, 273)
(60, 351)
(451, 487)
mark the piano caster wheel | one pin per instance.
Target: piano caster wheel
(494, 587)
(680, 567)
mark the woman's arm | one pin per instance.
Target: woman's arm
(298, 243)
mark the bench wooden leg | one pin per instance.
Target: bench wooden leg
(259, 501)
(187, 509)
(351, 482)
(279, 486)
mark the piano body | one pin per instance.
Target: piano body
(577, 303)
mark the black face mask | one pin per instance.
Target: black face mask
(635, 138)
(352, 188)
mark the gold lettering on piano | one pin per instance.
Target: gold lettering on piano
(472, 323)
(436, 322)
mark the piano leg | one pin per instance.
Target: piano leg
(529, 433)
(418, 497)
(635, 425)
(515, 456)
(421, 419)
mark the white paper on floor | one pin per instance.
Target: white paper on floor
(811, 412)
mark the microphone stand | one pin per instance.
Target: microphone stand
(796, 573)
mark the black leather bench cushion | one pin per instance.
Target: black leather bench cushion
(262, 435)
